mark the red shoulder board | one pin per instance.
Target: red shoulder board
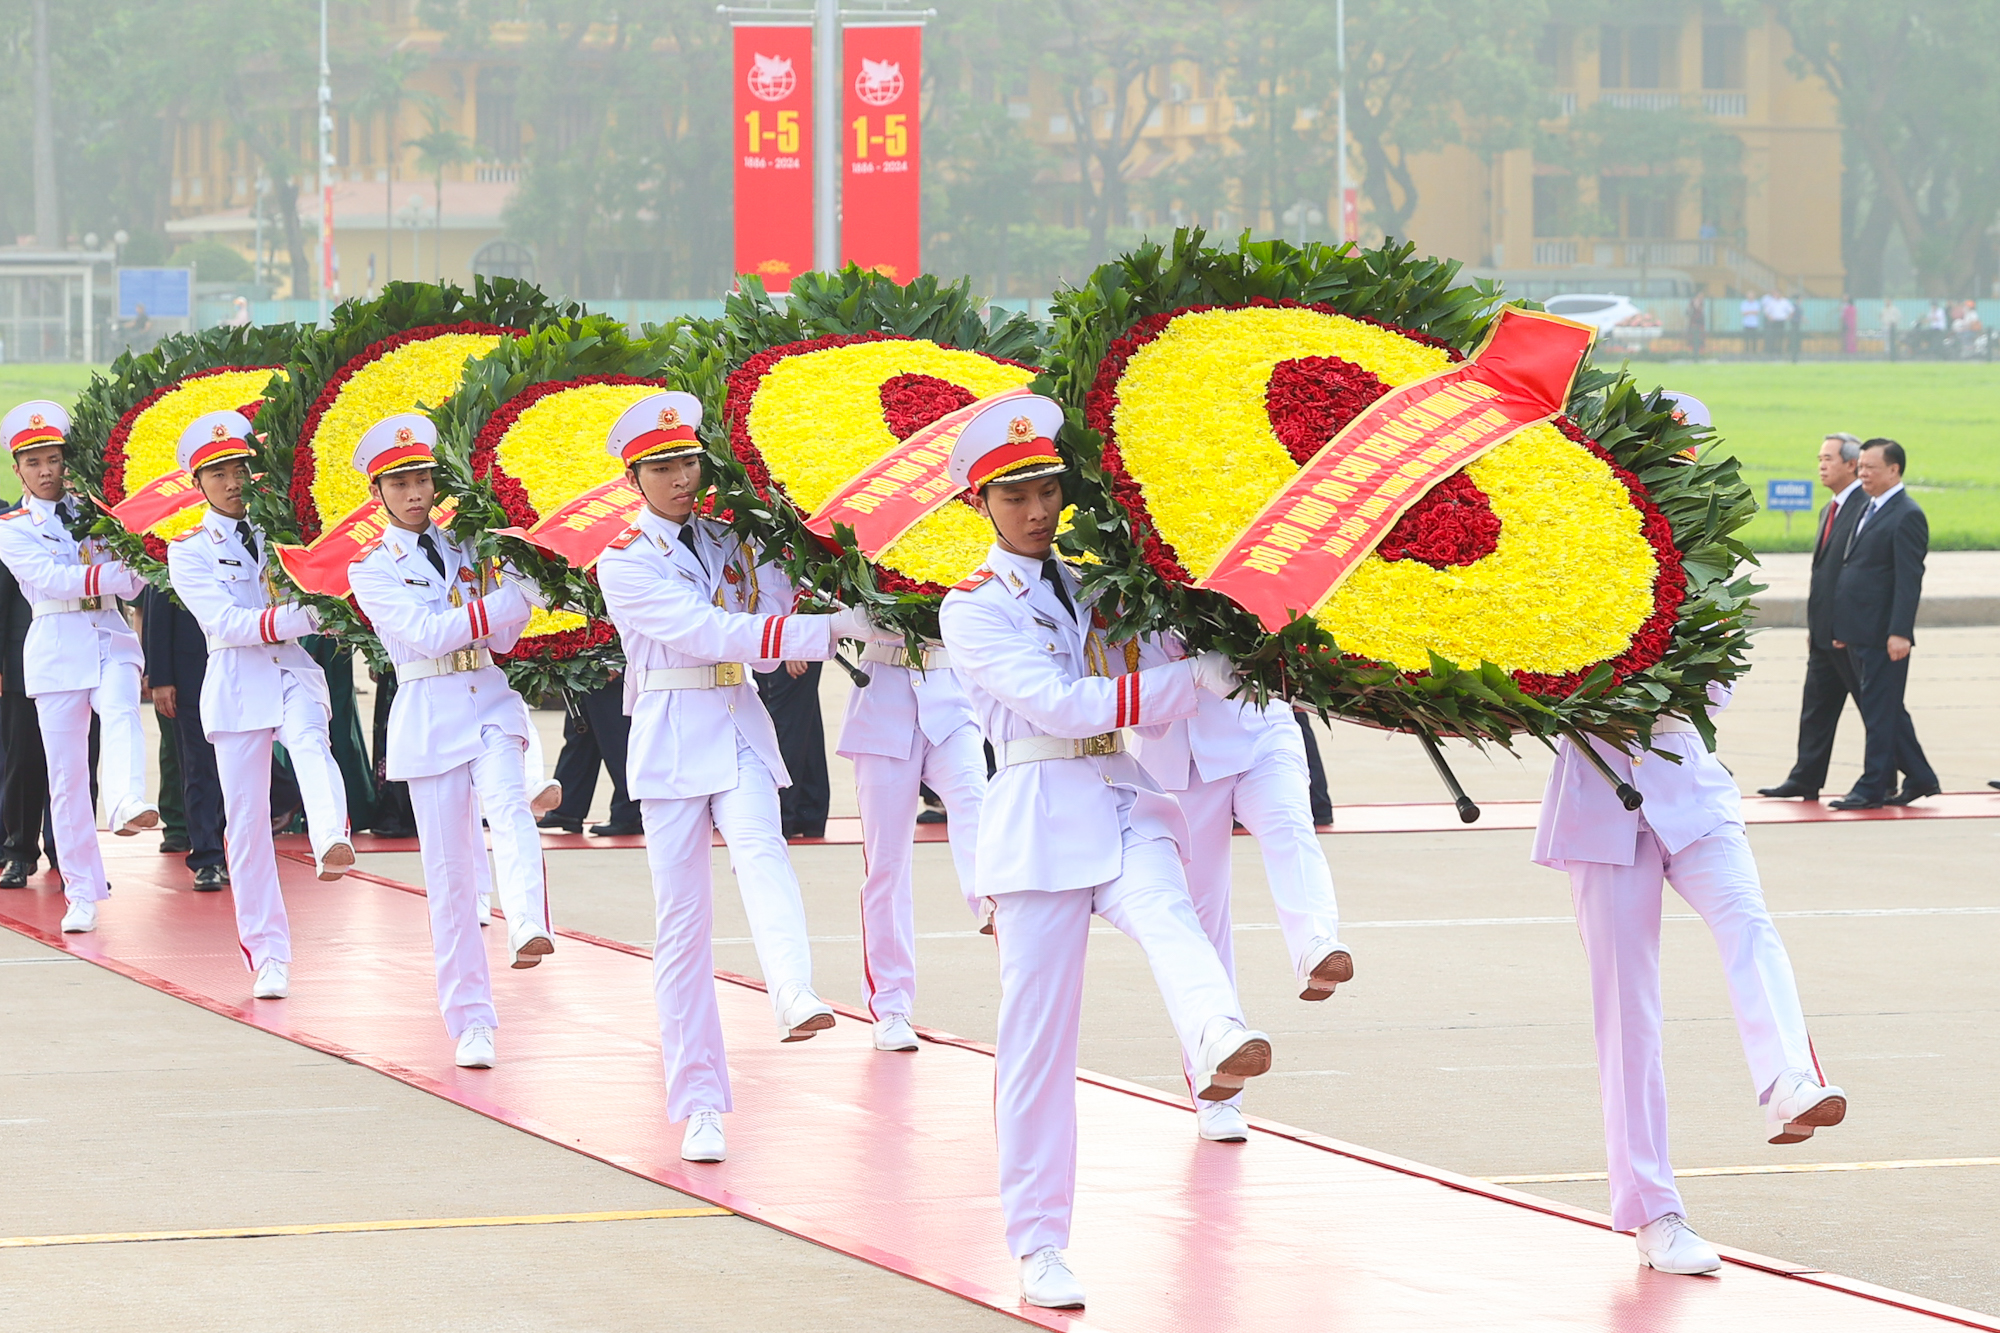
(189, 533)
(972, 580)
(13, 514)
(366, 551)
(624, 539)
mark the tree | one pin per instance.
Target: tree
(384, 91)
(438, 151)
(1918, 85)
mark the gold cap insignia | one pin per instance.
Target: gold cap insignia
(669, 417)
(404, 435)
(218, 432)
(37, 420)
(1020, 430)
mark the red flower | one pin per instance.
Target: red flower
(1453, 525)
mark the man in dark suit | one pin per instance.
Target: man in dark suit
(176, 665)
(1875, 622)
(1829, 675)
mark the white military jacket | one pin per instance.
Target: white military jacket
(899, 701)
(435, 721)
(1581, 818)
(680, 609)
(67, 648)
(1025, 662)
(252, 642)
(1224, 737)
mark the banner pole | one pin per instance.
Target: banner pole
(826, 135)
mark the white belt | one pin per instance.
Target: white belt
(1034, 749)
(934, 656)
(719, 676)
(57, 607)
(1668, 725)
(465, 659)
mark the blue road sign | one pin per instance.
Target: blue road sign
(1789, 496)
(167, 293)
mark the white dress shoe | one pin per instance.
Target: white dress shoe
(141, 817)
(339, 859)
(894, 1033)
(1219, 1122)
(274, 981)
(530, 943)
(703, 1140)
(802, 1014)
(475, 1047)
(81, 918)
(1230, 1060)
(1328, 963)
(547, 799)
(1046, 1281)
(1670, 1245)
(1800, 1104)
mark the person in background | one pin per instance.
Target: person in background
(1829, 671)
(595, 730)
(176, 668)
(1697, 323)
(791, 696)
(393, 817)
(344, 731)
(1850, 327)
(1875, 623)
(1752, 315)
(1892, 325)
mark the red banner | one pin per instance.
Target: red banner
(578, 532)
(879, 192)
(773, 150)
(892, 494)
(1342, 503)
(155, 502)
(322, 567)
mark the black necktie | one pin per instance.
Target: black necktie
(430, 549)
(63, 512)
(687, 540)
(1053, 573)
(247, 537)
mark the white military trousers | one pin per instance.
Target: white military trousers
(447, 808)
(678, 849)
(1042, 939)
(886, 791)
(1618, 915)
(65, 721)
(243, 763)
(1271, 799)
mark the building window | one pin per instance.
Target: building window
(1555, 205)
(499, 123)
(1642, 56)
(1722, 56)
(504, 259)
(1640, 207)
(1556, 52)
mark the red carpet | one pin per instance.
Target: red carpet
(890, 1158)
(1418, 817)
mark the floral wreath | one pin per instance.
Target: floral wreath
(524, 435)
(803, 396)
(126, 427)
(1486, 610)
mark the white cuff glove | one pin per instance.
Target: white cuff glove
(851, 622)
(1213, 672)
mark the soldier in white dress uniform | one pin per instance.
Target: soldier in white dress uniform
(81, 657)
(912, 725)
(1688, 833)
(458, 733)
(261, 688)
(697, 613)
(1235, 762)
(1071, 827)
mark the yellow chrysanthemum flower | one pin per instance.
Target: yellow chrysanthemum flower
(150, 446)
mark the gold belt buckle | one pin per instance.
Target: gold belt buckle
(918, 659)
(90, 603)
(727, 674)
(464, 659)
(1096, 747)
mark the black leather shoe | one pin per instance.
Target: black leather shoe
(1788, 788)
(1853, 802)
(15, 876)
(1909, 794)
(210, 879)
(1994, 783)
(173, 844)
(394, 830)
(933, 817)
(559, 823)
(608, 830)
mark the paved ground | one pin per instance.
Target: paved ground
(1464, 1043)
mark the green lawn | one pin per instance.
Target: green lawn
(1946, 415)
(1770, 415)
